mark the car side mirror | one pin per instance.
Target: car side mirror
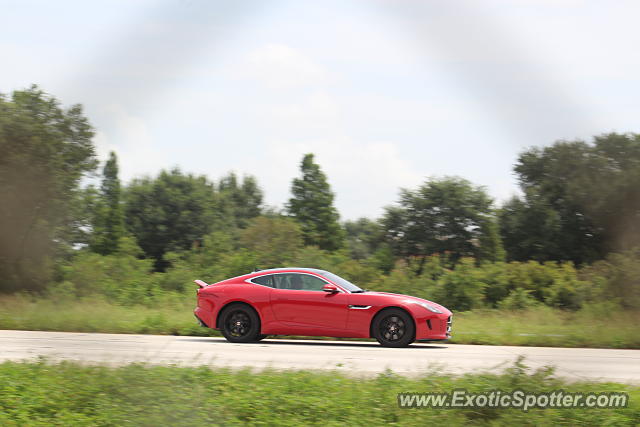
(330, 288)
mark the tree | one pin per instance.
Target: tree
(443, 216)
(109, 222)
(275, 240)
(529, 227)
(171, 213)
(312, 206)
(364, 236)
(242, 201)
(45, 151)
(593, 191)
(490, 246)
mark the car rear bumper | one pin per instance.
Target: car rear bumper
(205, 317)
(200, 321)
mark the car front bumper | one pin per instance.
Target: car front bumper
(434, 328)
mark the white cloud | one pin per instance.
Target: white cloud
(129, 136)
(315, 114)
(279, 66)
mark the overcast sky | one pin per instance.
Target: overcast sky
(385, 93)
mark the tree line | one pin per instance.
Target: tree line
(580, 203)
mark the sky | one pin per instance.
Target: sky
(385, 93)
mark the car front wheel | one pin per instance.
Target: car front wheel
(393, 328)
(240, 323)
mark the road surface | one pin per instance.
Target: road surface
(353, 358)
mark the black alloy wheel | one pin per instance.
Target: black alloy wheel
(393, 328)
(240, 323)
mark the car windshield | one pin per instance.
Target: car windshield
(342, 282)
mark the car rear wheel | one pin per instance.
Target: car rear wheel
(393, 328)
(240, 323)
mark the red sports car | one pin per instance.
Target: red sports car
(311, 302)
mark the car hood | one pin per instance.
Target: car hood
(403, 299)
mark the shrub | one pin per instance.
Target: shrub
(463, 288)
(518, 299)
(617, 278)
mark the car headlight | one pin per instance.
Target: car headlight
(429, 307)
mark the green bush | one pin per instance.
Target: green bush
(124, 278)
(518, 299)
(616, 278)
(462, 288)
(43, 394)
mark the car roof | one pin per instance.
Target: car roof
(289, 269)
(272, 271)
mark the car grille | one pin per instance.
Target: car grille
(449, 323)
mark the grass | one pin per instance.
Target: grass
(94, 314)
(595, 326)
(44, 394)
(547, 327)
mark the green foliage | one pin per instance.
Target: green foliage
(356, 272)
(121, 277)
(529, 228)
(498, 283)
(469, 286)
(174, 211)
(208, 261)
(109, 217)
(617, 278)
(403, 280)
(171, 212)
(382, 259)
(43, 394)
(275, 240)
(461, 289)
(312, 206)
(364, 237)
(518, 299)
(581, 200)
(554, 284)
(45, 151)
(443, 216)
(240, 201)
(490, 246)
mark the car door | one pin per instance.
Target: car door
(298, 302)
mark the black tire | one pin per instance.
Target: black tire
(393, 328)
(260, 337)
(239, 323)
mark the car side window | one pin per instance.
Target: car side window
(296, 281)
(312, 283)
(264, 280)
(282, 281)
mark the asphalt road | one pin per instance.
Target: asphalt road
(354, 358)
